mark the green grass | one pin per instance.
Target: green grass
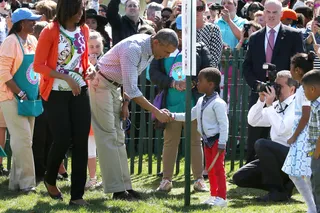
(239, 199)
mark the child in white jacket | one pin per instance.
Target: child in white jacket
(213, 125)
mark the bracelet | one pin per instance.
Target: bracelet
(21, 94)
(24, 95)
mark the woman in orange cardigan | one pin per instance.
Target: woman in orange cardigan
(62, 60)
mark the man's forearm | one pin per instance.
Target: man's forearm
(145, 104)
(235, 30)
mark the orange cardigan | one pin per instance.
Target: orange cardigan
(46, 56)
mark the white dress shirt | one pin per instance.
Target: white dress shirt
(281, 119)
(276, 28)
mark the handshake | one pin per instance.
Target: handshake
(164, 116)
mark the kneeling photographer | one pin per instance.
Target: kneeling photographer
(265, 172)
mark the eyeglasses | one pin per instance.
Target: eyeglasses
(200, 8)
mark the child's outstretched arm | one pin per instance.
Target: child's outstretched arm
(302, 124)
(182, 116)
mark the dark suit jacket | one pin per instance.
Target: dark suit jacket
(288, 43)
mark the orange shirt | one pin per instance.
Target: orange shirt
(11, 57)
(47, 56)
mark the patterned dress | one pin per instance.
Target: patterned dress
(297, 162)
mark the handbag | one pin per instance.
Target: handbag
(30, 108)
(157, 102)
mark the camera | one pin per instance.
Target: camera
(271, 69)
(216, 6)
(246, 28)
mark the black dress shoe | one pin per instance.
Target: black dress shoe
(123, 196)
(274, 196)
(134, 194)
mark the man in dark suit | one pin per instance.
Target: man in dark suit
(285, 43)
(274, 44)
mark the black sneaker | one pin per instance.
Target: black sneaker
(3, 171)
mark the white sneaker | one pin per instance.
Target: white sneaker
(200, 186)
(92, 184)
(165, 185)
(210, 200)
(220, 202)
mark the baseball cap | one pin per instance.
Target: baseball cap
(179, 22)
(289, 14)
(24, 14)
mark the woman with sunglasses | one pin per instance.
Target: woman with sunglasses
(209, 34)
(62, 60)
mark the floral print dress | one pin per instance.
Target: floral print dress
(70, 49)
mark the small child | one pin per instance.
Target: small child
(213, 125)
(311, 86)
(95, 45)
(297, 163)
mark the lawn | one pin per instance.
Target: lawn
(239, 200)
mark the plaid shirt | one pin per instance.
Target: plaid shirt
(314, 124)
(126, 61)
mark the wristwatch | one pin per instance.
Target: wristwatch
(126, 100)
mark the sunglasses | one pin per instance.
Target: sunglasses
(3, 1)
(100, 11)
(200, 8)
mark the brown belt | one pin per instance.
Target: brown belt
(112, 82)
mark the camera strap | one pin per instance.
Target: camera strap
(279, 107)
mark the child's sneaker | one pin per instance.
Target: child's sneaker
(200, 186)
(165, 186)
(220, 202)
(92, 184)
(210, 201)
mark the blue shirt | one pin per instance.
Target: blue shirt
(227, 35)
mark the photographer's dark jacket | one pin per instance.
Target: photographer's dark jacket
(122, 26)
(158, 73)
(288, 43)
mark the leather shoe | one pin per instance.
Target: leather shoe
(123, 196)
(55, 197)
(274, 196)
(134, 194)
(80, 202)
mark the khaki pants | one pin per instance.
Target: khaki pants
(105, 100)
(172, 135)
(22, 174)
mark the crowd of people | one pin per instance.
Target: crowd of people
(71, 67)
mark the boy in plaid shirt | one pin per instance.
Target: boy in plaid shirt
(311, 85)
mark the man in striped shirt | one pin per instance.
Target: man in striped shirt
(121, 66)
